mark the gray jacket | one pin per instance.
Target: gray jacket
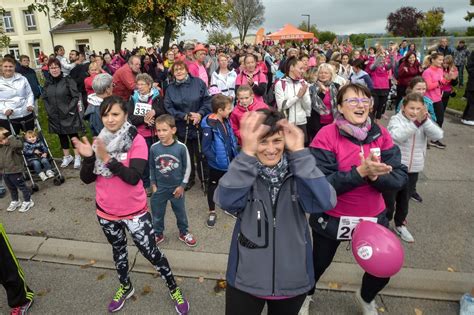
(270, 253)
(412, 140)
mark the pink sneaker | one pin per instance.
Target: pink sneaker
(188, 239)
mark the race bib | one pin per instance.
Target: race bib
(347, 225)
(141, 109)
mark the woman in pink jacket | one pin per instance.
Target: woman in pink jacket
(379, 71)
(435, 79)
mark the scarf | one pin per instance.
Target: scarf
(274, 176)
(144, 97)
(179, 82)
(358, 132)
(116, 144)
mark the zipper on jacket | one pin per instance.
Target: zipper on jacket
(411, 155)
(259, 224)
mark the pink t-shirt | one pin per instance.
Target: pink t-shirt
(327, 119)
(364, 200)
(117, 198)
(197, 70)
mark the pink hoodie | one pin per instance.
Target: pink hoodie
(434, 79)
(240, 110)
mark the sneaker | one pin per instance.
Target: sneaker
(123, 293)
(367, 308)
(13, 206)
(77, 162)
(50, 173)
(304, 310)
(67, 160)
(181, 305)
(416, 197)
(159, 238)
(468, 122)
(22, 310)
(211, 221)
(230, 214)
(43, 176)
(188, 239)
(26, 205)
(404, 234)
(438, 144)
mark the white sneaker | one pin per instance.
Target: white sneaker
(404, 234)
(67, 160)
(13, 206)
(77, 162)
(367, 308)
(50, 173)
(304, 310)
(43, 176)
(468, 122)
(26, 205)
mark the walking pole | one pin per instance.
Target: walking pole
(203, 185)
(187, 130)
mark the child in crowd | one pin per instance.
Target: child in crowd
(246, 102)
(219, 145)
(418, 85)
(36, 155)
(170, 167)
(410, 130)
(11, 166)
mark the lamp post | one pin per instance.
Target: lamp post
(309, 25)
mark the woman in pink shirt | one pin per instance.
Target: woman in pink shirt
(115, 162)
(435, 79)
(197, 68)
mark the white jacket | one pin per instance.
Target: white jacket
(66, 66)
(225, 83)
(296, 109)
(412, 139)
(15, 95)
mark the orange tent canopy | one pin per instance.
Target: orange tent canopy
(289, 32)
(260, 36)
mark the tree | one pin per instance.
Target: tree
(114, 15)
(219, 37)
(358, 40)
(432, 22)
(326, 36)
(245, 15)
(404, 22)
(304, 27)
(4, 39)
(470, 31)
(470, 15)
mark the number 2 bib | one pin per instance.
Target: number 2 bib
(347, 225)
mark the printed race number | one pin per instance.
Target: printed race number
(141, 109)
(347, 225)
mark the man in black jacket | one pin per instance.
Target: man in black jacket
(30, 74)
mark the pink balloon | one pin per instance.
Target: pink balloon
(377, 249)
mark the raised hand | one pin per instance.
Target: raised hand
(83, 147)
(294, 136)
(252, 130)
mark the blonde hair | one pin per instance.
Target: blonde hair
(449, 60)
(328, 67)
(30, 133)
(93, 65)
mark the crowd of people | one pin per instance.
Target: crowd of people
(272, 133)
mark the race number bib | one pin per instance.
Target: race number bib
(347, 225)
(141, 109)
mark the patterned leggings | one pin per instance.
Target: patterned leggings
(141, 230)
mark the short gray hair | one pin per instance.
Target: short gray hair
(101, 83)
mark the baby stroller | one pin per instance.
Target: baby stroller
(30, 174)
(392, 97)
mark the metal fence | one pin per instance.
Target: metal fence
(423, 44)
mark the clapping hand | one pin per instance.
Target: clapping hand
(83, 146)
(371, 167)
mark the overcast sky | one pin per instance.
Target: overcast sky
(342, 16)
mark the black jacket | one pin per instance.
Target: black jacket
(61, 97)
(30, 75)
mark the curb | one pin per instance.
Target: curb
(453, 112)
(409, 282)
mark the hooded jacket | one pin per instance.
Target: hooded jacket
(295, 108)
(11, 160)
(219, 143)
(92, 113)
(362, 78)
(412, 139)
(15, 94)
(270, 252)
(225, 83)
(139, 120)
(260, 83)
(434, 80)
(30, 75)
(379, 72)
(240, 110)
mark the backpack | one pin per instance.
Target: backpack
(270, 99)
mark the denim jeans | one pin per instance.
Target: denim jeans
(158, 202)
(39, 166)
(460, 74)
(15, 182)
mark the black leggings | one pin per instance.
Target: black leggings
(324, 250)
(65, 140)
(141, 230)
(238, 302)
(397, 202)
(214, 176)
(380, 102)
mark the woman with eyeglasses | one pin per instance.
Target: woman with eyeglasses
(361, 162)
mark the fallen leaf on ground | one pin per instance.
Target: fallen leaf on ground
(52, 209)
(90, 264)
(101, 276)
(450, 269)
(418, 311)
(70, 257)
(179, 279)
(134, 298)
(381, 309)
(220, 286)
(146, 290)
(201, 279)
(43, 292)
(36, 233)
(334, 285)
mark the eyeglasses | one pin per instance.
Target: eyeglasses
(353, 102)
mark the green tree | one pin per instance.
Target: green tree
(470, 31)
(4, 39)
(219, 37)
(470, 15)
(304, 27)
(431, 24)
(326, 36)
(358, 40)
(245, 15)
